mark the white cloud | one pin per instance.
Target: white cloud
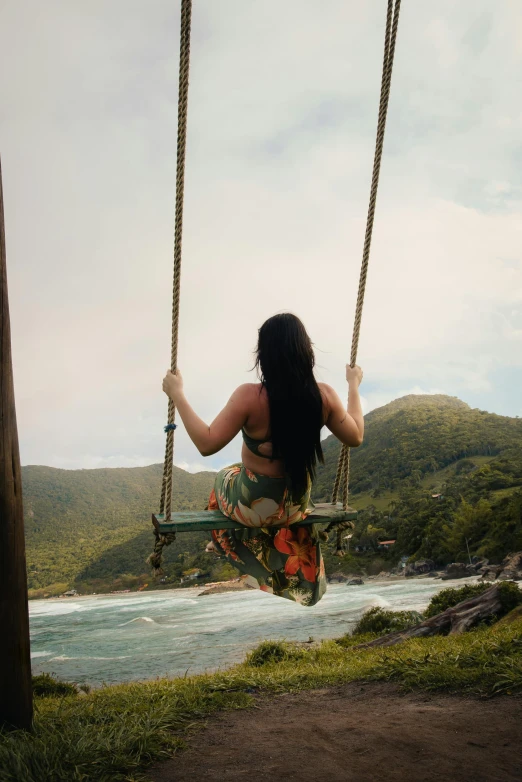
(193, 466)
(279, 159)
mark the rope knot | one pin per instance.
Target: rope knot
(155, 559)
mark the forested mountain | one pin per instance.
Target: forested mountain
(416, 436)
(91, 528)
(96, 524)
(442, 479)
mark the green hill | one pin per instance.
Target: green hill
(91, 528)
(420, 446)
(418, 435)
(91, 525)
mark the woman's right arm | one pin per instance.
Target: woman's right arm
(346, 425)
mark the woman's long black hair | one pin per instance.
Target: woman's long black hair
(285, 361)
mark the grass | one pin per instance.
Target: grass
(113, 733)
(435, 480)
(499, 494)
(431, 482)
(377, 621)
(364, 499)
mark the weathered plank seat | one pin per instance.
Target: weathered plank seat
(191, 520)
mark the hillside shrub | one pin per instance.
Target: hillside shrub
(448, 598)
(510, 596)
(380, 622)
(45, 686)
(274, 652)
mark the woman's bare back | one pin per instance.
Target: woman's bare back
(248, 408)
(257, 427)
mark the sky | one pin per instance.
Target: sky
(282, 115)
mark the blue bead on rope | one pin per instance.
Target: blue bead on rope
(170, 427)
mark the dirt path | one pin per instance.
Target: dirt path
(357, 733)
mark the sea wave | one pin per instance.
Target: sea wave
(376, 601)
(93, 646)
(64, 658)
(54, 608)
(139, 620)
(40, 654)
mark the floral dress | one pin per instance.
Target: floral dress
(270, 554)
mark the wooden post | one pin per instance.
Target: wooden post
(16, 701)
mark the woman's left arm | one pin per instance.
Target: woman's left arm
(209, 439)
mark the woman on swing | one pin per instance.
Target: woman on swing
(280, 419)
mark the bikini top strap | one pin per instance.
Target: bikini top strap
(253, 445)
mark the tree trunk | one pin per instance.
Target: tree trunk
(452, 621)
(16, 703)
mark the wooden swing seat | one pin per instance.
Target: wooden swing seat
(194, 520)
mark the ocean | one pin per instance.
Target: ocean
(117, 638)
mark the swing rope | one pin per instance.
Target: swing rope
(343, 468)
(392, 23)
(165, 539)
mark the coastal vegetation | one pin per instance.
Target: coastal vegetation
(114, 733)
(441, 479)
(91, 529)
(378, 622)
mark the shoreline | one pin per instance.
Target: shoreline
(224, 587)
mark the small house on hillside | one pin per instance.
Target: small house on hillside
(437, 496)
(362, 547)
(191, 575)
(384, 545)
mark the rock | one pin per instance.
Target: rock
(512, 567)
(218, 588)
(491, 572)
(337, 578)
(509, 570)
(419, 568)
(510, 575)
(513, 561)
(458, 570)
(355, 582)
(383, 574)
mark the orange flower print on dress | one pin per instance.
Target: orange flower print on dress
(269, 553)
(229, 474)
(301, 550)
(221, 537)
(212, 501)
(225, 507)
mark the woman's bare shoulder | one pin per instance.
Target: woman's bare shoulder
(331, 399)
(327, 392)
(325, 387)
(248, 389)
(247, 393)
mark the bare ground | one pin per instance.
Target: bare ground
(357, 733)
